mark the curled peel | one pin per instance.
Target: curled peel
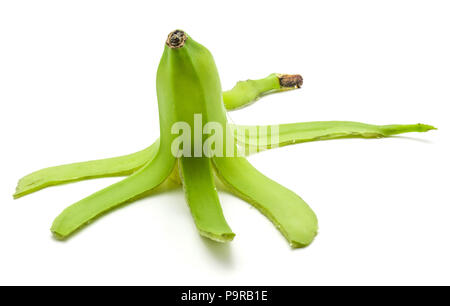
(290, 214)
(131, 188)
(188, 84)
(201, 195)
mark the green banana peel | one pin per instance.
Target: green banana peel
(201, 195)
(132, 188)
(188, 86)
(293, 133)
(290, 214)
(108, 167)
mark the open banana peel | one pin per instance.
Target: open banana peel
(197, 144)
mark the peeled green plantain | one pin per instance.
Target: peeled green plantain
(190, 98)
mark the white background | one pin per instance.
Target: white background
(77, 82)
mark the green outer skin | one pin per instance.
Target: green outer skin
(188, 83)
(108, 167)
(290, 214)
(203, 200)
(293, 133)
(131, 188)
(245, 92)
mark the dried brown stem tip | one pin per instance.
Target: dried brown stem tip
(176, 39)
(290, 80)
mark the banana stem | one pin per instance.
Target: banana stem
(245, 93)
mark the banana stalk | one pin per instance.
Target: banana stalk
(247, 92)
